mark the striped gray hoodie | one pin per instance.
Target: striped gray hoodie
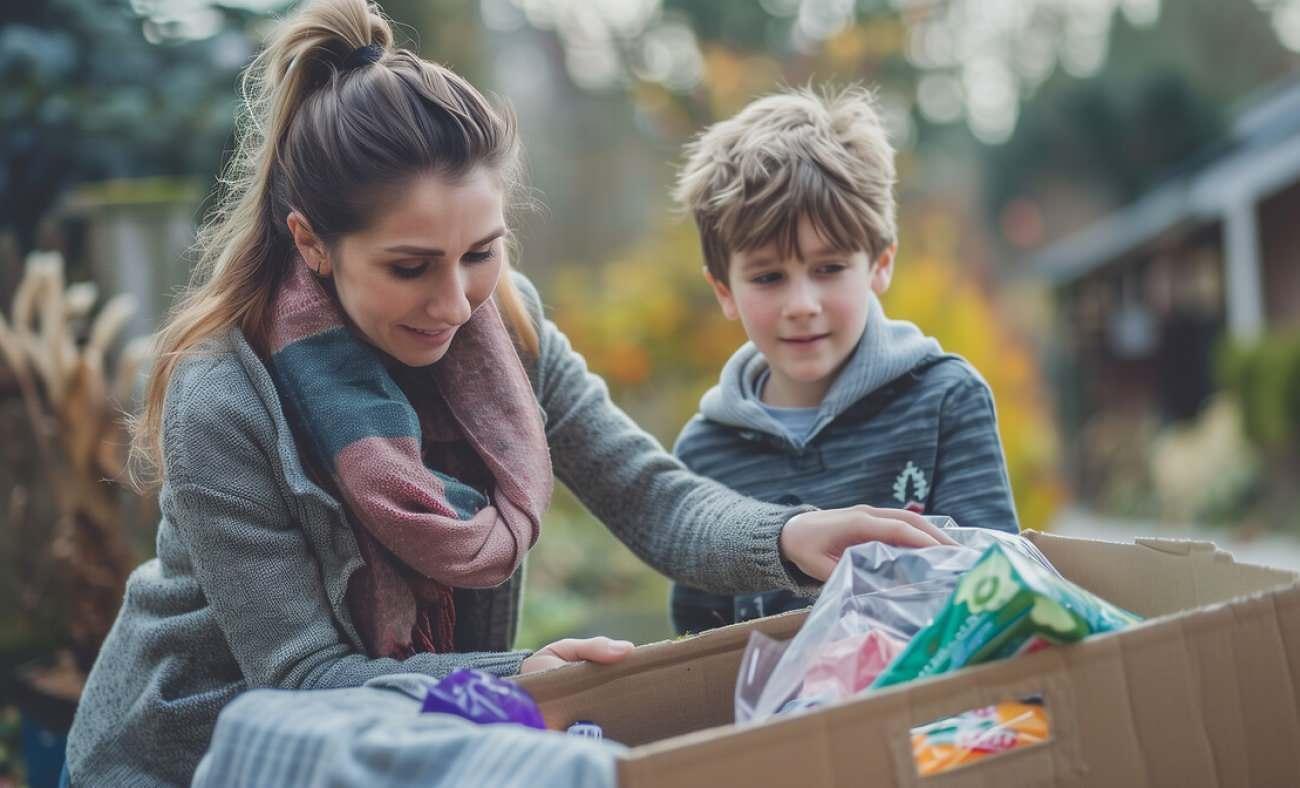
(904, 425)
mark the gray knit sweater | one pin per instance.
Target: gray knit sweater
(253, 559)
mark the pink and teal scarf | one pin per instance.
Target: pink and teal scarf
(421, 530)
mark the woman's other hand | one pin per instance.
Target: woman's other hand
(814, 541)
(562, 652)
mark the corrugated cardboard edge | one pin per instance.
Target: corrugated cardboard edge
(1163, 585)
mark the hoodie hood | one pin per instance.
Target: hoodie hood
(887, 349)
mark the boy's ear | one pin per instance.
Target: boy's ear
(723, 294)
(309, 244)
(883, 270)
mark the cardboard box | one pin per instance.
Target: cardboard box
(1206, 692)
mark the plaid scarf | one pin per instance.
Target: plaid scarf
(420, 531)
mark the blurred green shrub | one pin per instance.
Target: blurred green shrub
(1206, 470)
(1265, 377)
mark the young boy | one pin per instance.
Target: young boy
(830, 403)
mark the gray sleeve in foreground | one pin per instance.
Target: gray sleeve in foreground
(362, 737)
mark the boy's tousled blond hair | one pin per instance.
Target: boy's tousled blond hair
(748, 180)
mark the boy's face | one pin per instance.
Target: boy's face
(805, 315)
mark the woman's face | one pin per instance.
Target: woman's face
(412, 278)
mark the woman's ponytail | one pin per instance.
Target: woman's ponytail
(307, 51)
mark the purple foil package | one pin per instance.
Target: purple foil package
(482, 698)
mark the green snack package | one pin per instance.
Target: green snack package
(1005, 605)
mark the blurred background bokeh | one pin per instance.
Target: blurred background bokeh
(1098, 204)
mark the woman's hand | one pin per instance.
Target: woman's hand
(562, 652)
(814, 541)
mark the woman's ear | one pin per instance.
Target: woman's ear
(309, 244)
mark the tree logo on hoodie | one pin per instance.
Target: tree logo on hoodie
(912, 480)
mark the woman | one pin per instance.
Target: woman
(356, 418)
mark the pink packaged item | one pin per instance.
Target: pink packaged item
(850, 664)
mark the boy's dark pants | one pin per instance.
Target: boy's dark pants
(695, 611)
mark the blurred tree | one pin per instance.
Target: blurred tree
(1098, 99)
(94, 90)
(963, 59)
(1113, 138)
(1162, 97)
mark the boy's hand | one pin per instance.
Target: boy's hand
(814, 541)
(562, 652)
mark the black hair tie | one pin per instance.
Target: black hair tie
(363, 56)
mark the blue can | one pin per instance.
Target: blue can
(586, 729)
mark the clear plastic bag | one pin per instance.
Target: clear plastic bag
(773, 672)
(879, 566)
(876, 600)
